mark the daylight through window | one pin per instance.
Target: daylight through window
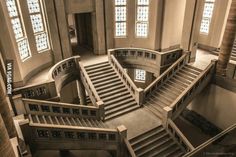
(207, 15)
(142, 18)
(120, 18)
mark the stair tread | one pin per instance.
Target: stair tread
(96, 65)
(122, 112)
(117, 99)
(104, 79)
(120, 103)
(95, 74)
(115, 95)
(121, 107)
(113, 88)
(194, 68)
(108, 86)
(107, 82)
(113, 92)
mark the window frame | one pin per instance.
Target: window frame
(136, 18)
(115, 22)
(207, 18)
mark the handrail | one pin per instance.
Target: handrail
(137, 93)
(89, 83)
(32, 106)
(176, 132)
(191, 88)
(210, 141)
(129, 148)
(166, 74)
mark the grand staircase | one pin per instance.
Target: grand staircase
(116, 97)
(233, 52)
(66, 121)
(171, 89)
(156, 142)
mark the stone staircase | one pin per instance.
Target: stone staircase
(116, 97)
(156, 142)
(233, 53)
(66, 121)
(171, 89)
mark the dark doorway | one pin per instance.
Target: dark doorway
(81, 33)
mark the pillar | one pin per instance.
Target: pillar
(228, 40)
(6, 112)
(6, 148)
(81, 92)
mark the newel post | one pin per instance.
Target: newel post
(139, 96)
(122, 130)
(167, 114)
(19, 104)
(101, 109)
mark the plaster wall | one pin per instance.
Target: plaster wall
(79, 6)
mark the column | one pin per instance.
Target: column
(5, 111)
(6, 148)
(81, 92)
(228, 40)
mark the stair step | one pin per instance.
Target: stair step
(121, 107)
(166, 150)
(122, 112)
(172, 88)
(185, 76)
(108, 86)
(119, 90)
(167, 90)
(110, 107)
(157, 108)
(176, 85)
(191, 70)
(95, 74)
(156, 149)
(194, 68)
(117, 100)
(104, 79)
(145, 135)
(184, 80)
(113, 88)
(159, 101)
(103, 68)
(173, 151)
(102, 76)
(187, 73)
(116, 79)
(175, 80)
(162, 136)
(153, 110)
(166, 96)
(116, 95)
(94, 66)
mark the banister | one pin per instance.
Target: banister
(129, 148)
(180, 135)
(190, 87)
(210, 141)
(89, 82)
(166, 73)
(137, 93)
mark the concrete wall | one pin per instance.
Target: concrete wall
(217, 27)
(79, 6)
(217, 105)
(173, 23)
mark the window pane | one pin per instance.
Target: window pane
(41, 41)
(143, 2)
(120, 13)
(16, 26)
(141, 29)
(205, 25)
(120, 2)
(142, 13)
(121, 29)
(208, 10)
(11, 7)
(37, 23)
(23, 47)
(140, 75)
(33, 6)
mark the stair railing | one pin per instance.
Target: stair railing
(129, 148)
(179, 136)
(199, 83)
(201, 149)
(41, 107)
(136, 92)
(167, 74)
(92, 92)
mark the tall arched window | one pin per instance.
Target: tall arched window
(142, 18)
(19, 17)
(38, 24)
(207, 16)
(120, 18)
(18, 29)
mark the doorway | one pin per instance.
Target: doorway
(81, 33)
